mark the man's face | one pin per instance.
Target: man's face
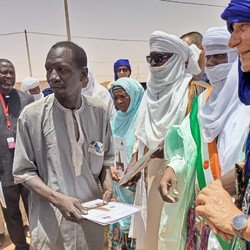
(122, 71)
(157, 59)
(35, 91)
(216, 59)
(63, 75)
(240, 38)
(7, 77)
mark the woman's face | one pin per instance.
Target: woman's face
(122, 71)
(121, 99)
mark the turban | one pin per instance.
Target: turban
(119, 63)
(215, 41)
(160, 41)
(47, 91)
(29, 83)
(238, 11)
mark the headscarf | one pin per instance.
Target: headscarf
(223, 116)
(30, 83)
(166, 98)
(119, 63)
(239, 11)
(47, 91)
(123, 123)
(93, 88)
(223, 97)
(215, 41)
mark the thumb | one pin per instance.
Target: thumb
(175, 186)
(107, 196)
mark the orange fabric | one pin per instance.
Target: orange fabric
(214, 159)
(212, 151)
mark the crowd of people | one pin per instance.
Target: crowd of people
(74, 141)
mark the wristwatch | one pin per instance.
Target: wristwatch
(239, 223)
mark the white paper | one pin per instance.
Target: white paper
(120, 154)
(110, 213)
(2, 199)
(139, 165)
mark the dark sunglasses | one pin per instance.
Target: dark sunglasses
(158, 58)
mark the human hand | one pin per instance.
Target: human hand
(70, 207)
(133, 181)
(168, 181)
(159, 153)
(107, 196)
(215, 204)
(115, 174)
(135, 178)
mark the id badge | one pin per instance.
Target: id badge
(11, 142)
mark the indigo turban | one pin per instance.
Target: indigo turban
(119, 63)
(238, 11)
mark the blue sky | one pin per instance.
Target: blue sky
(132, 20)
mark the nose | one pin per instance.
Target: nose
(53, 75)
(153, 62)
(234, 40)
(9, 75)
(210, 62)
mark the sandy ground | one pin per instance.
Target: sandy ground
(7, 244)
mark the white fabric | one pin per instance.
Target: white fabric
(38, 96)
(223, 115)
(164, 103)
(165, 100)
(93, 88)
(223, 99)
(215, 41)
(194, 54)
(29, 83)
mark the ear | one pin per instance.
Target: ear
(84, 75)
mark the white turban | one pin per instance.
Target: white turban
(160, 41)
(29, 83)
(215, 41)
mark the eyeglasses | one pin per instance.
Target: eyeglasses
(119, 70)
(159, 58)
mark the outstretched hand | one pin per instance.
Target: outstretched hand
(168, 182)
(70, 207)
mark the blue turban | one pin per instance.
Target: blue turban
(47, 91)
(244, 86)
(119, 63)
(238, 11)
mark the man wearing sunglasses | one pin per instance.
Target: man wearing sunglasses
(164, 104)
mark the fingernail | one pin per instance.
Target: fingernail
(175, 192)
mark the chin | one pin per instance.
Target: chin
(245, 67)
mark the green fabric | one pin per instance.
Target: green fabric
(194, 124)
(180, 153)
(195, 130)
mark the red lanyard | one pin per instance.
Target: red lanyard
(6, 111)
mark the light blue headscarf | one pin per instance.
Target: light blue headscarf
(123, 123)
